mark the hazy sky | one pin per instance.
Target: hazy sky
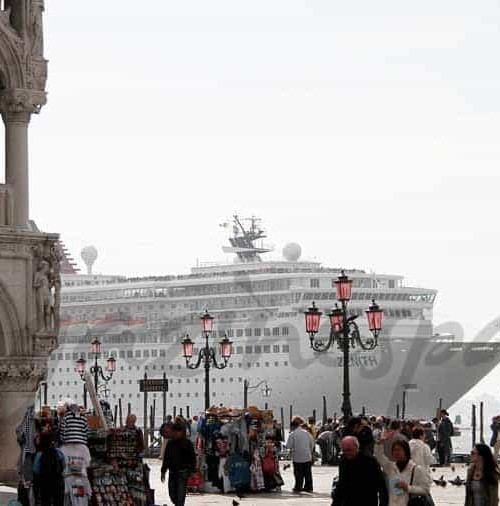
(365, 131)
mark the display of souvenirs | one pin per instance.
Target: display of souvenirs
(96, 440)
(110, 487)
(122, 444)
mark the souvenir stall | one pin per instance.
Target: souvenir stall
(236, 452)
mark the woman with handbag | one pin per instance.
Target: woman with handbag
(481, 488)
(408, 483)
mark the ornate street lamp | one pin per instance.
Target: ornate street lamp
(96, 370)
(344, 331)
(266, 390)
(207, 354)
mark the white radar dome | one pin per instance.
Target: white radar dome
(89, 256)
(292, 252)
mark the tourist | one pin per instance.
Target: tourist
(420, 452)
(325, 442)
(361, 482)
(495, 439)
(359, 428)
(166, 435)
(301, 444)
(180, 460)
(404, 476)
(392, 435)
(48, 469)
(130, 425)
(445, 431)
(481, 488)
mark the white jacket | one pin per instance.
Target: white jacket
(422, 456)
(420, 483)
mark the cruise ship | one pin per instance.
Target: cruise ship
(259, 304)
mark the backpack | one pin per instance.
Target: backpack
(51, 467)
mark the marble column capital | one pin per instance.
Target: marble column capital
(21, 374)
(18, 104)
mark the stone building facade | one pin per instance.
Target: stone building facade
(29, 259)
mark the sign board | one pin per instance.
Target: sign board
(153, 385)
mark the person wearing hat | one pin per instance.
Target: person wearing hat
(445, 431)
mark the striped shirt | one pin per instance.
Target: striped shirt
(74, 428)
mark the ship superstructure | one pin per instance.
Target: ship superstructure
(259, 304)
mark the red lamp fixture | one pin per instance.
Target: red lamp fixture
(111, 364)
(187, 347)
(207, 322)
(95, 346)
(313, 319)
(374, 315)
(336, 319)
(344, 286)
(226, 348)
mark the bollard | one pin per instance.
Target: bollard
(474, 424)
(481, 422)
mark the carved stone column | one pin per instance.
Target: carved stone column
(19, 379)
(16, 107)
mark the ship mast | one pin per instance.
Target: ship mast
(242, 241)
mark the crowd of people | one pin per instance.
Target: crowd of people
(392, 459)
(385, 462)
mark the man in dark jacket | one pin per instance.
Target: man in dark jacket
(445, 431)
(180, 460)
(360, 482)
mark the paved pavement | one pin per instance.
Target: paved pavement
(450, 495)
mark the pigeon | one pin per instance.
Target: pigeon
(452, 468)
(457, 481)
(235, 503)
(286, 466)
(441, 482)
(240, 495)
(433, 469)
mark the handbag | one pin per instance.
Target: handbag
(419, 499)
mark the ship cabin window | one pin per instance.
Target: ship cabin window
(276, 348)
(240, 365)
(180, 381)
(256, 332)
(284, 331)
(276, 331)
(239, 332)
(267, 348)
(230, 333)
(249, 365)
(231, 380)
(121, 382)
(145, 354)
(170, 366)
(248, 332)
(137, 353)
(122, 353)
(248, 350)
(392, 283)
(130, 354)
(285, 363)
(285, 348)
(239, 350)
(257, 364)
(267, 364)
(154, 353)
(75, 356)
(222, 380)
(314, 283)
(196, 380)
(59, 356)
(267, 332)
(162, 353)
(257, 349)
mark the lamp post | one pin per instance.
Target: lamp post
(266, 391)
(344, 331)
(96, 370)
(207, 354)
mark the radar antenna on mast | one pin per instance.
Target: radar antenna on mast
(242, 240)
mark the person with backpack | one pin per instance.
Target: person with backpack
(180, 460)
(48, 469)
